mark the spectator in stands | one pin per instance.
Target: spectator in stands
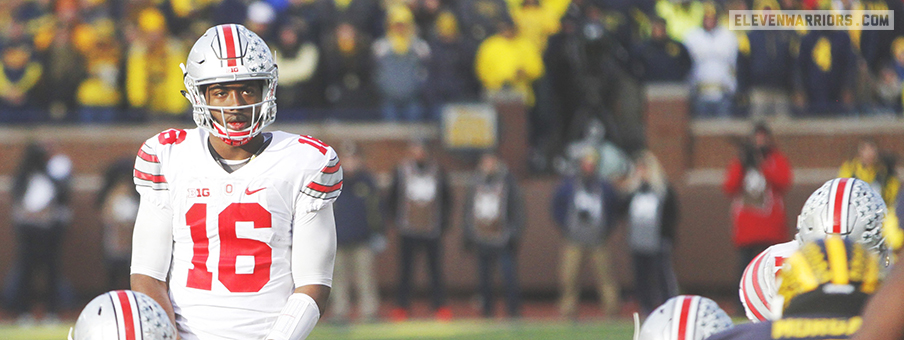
(682, 16)
(425, 14)
(401, 67)
(117, 205)
(652, 221)
(479, 18)
(891, 80)
(63, 61)
(40, 214)
(347, 69)
(714, 51)
(298, 57)
(150, 75)
(661, 58)
(420, 203)
(99, 93)
(537, 21)
(20, 73)
(508, 62)
(875, 168)
(230, 11)
(827, 69)
(450, 69)
(367, 16)
(359, 236)
(493, 220)
(765, 66)
(584, 208)
(757, 181)
(878, 169)
(261, 19)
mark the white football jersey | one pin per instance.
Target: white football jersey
(759, 286)
(231, 270)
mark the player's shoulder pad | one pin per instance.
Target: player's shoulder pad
(325, 182)
(148, 167)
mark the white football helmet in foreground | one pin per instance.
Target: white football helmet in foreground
(120, 315)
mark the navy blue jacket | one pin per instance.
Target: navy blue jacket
(357, 210)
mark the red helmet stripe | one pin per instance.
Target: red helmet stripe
(685, 317)
(754, 268)
(229, 40)
(839, 213)
(127, 317)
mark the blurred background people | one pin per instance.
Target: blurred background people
(661, 58)
(348, 64)
(765, 69)
(713, 49)
(450, 69)
(359, 236)
(652, 215)
(21, 71)
(757, 181)
(40, 199)
(420, 203)
(300, 75)
(584, 208)
(400, 69)
(117, 203)
(826, 69)
(150, 74)
(493, 220)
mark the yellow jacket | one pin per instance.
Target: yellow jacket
(537, 23)
(877, 176)
(162, 96)
(679, 20)
(499, 61)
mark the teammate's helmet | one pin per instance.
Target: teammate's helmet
(848, 207)
(685, 317)
(834, 275)
(229, 53)
(123, 314)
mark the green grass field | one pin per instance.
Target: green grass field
(460, 329)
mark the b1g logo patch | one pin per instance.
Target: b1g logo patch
(198, 192)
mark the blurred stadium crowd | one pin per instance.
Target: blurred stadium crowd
(107, 61)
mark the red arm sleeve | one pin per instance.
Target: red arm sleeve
(734, 177)
(777, 171)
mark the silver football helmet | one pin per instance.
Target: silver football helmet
(848, 207)
(123, 314)
(685, 317)
(230, 53)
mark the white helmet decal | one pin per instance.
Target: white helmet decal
(123, 314)
(230, 53)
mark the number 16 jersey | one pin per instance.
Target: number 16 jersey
(232, 233)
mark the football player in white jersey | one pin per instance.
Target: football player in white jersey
(235, 235)
(842, 206)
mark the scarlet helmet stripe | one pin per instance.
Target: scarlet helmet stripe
(686, 314)
(839, 196)
(125, 303)
(229, 36)
(752, 270)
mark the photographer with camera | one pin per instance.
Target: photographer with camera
(757, 181)
(584, 209)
